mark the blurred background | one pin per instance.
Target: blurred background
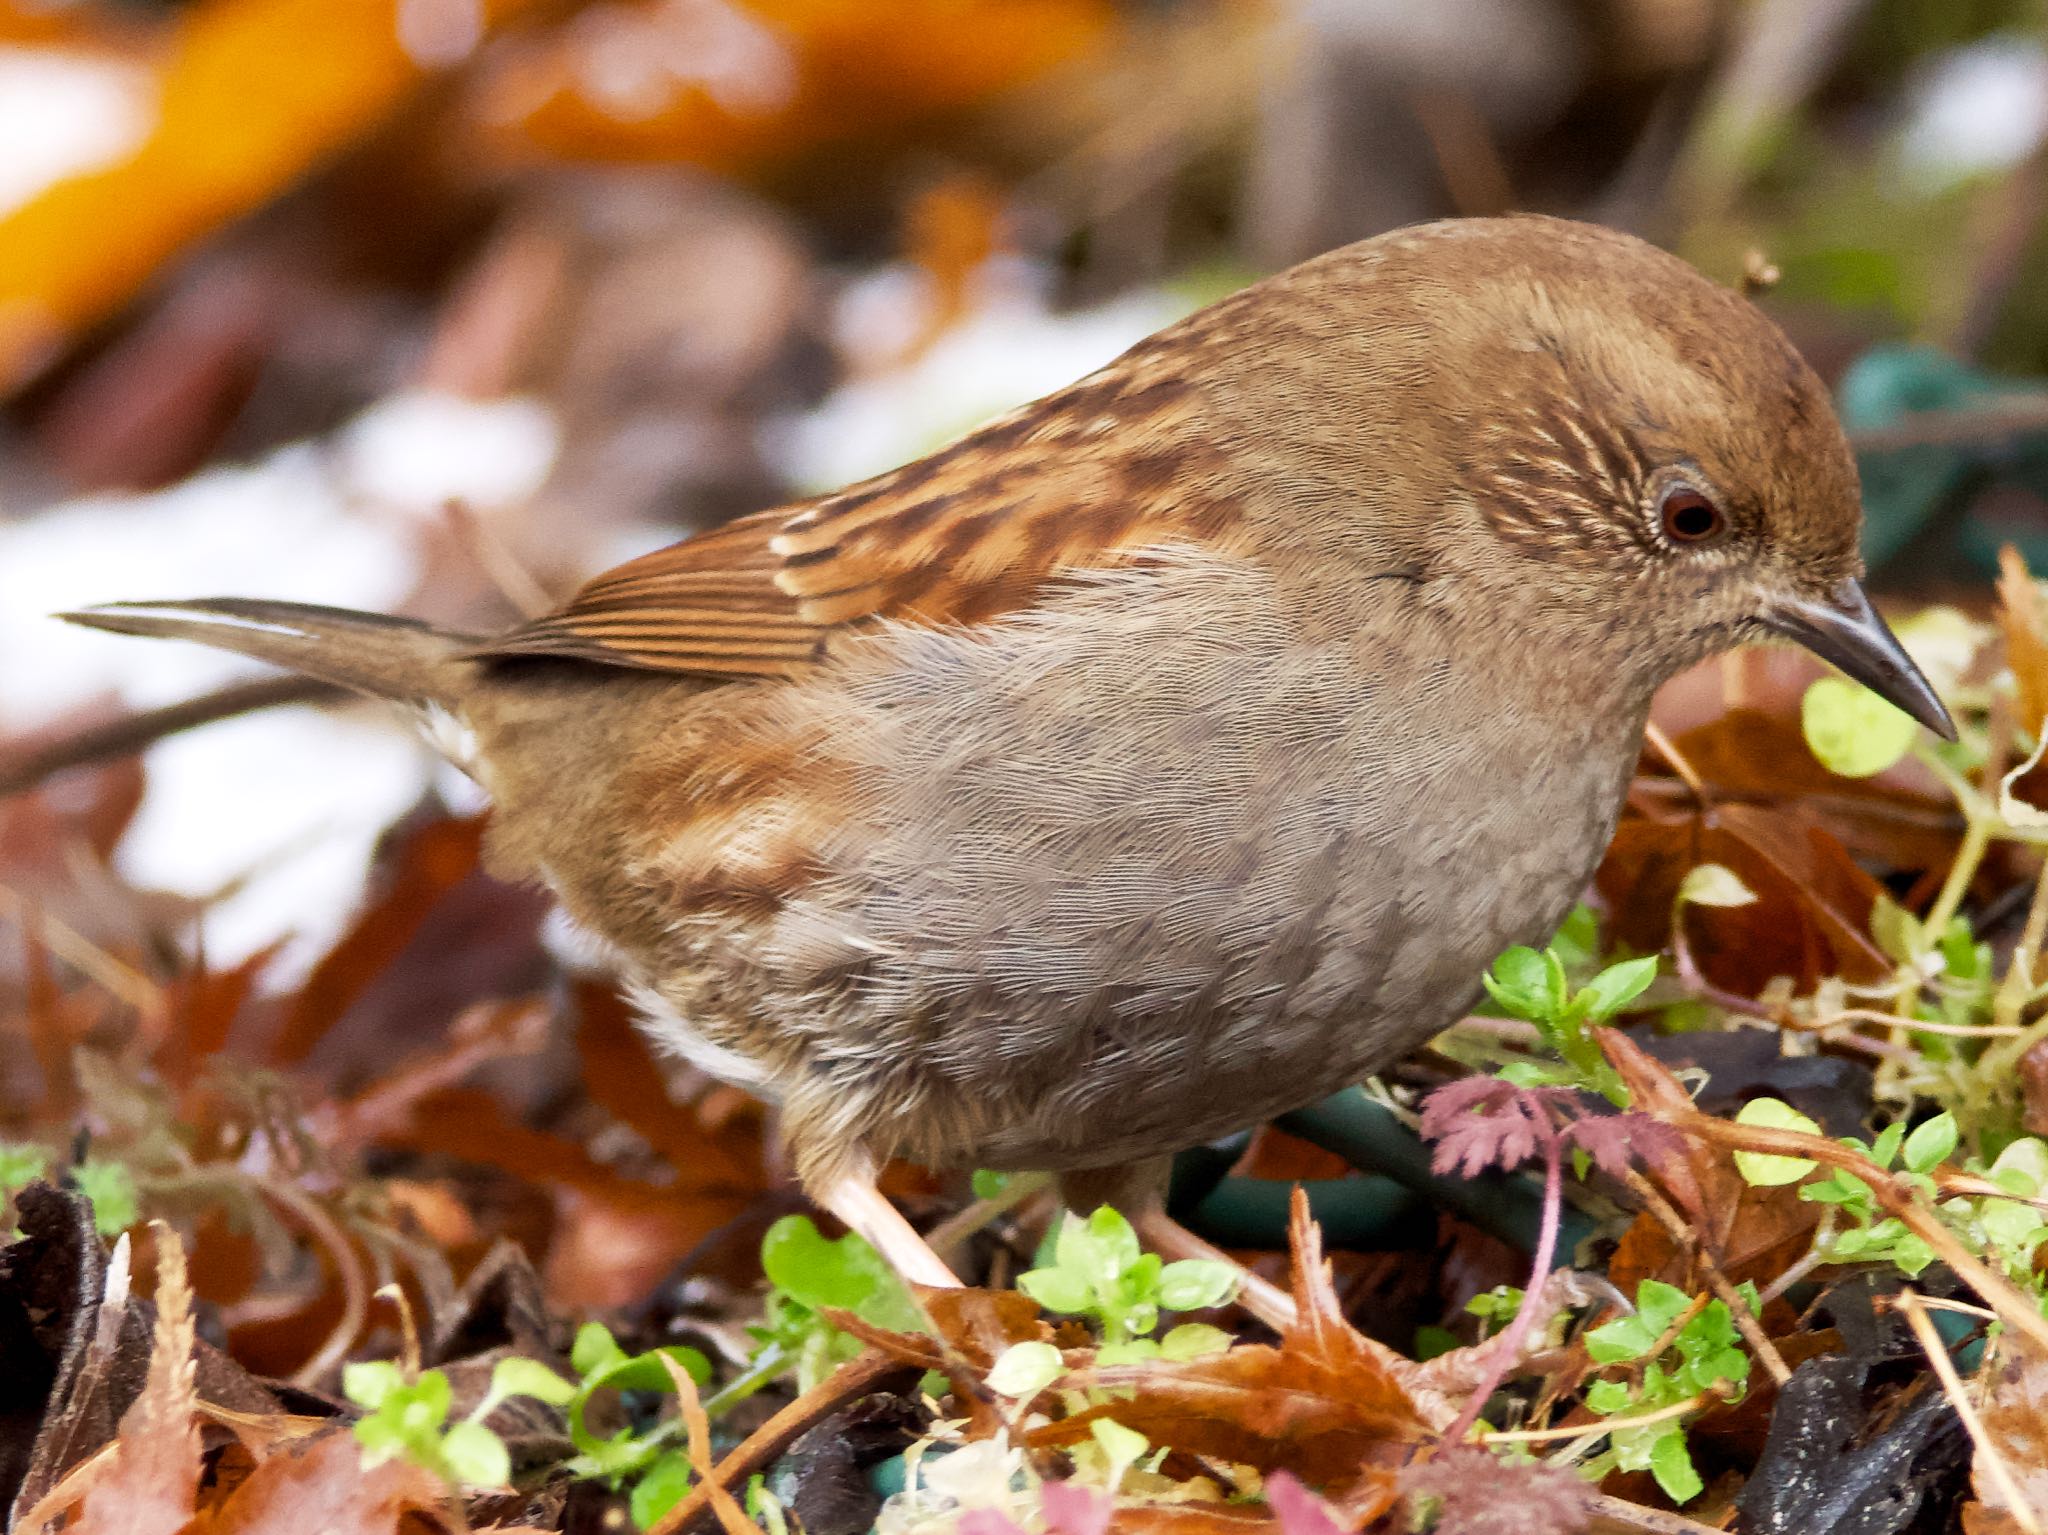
(442, 305)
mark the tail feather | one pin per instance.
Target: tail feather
(395, 658)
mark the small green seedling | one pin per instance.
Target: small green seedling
(1702, 1357)
(1532, 986)
(809, 1272)
(1863, 1232)
(409, 1417)
(1099, 1271)
(110, 1188)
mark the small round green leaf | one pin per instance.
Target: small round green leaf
(1930, 1144)
(1195, 1283)
(475, 1456)
(1853, 731)
(529, 1377)
(1024, 1369)
(1766, 1171)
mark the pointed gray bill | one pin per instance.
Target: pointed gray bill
(1844, 629)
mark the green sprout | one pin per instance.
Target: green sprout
(1684, 1350)
(1099, 1271)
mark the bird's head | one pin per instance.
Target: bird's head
(1597, 432)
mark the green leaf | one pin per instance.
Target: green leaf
(1671, 1464)
(1766, 1171)
(1024, 1369)
(988, 1184)
(1058, 1289)
(20, 1165)
(846, 1273)
(1121, 1447)
(1194, 1284)
(475, 1456)
(2022, 1168)
(529, 1377)
(1607, 1397)
(370, 1383)
(1931, 1144)
(111, 1189)
(1625, 1338)
(660, 1488)
(1194, 1340)
(594, 1350)
(1523, 982)
(1658, 1305)
(1853, 731)
(1103, 1246)
(1896, 930)
(1617, 986)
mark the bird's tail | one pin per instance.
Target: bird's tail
(395, 658)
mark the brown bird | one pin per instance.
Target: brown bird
(1173, 751)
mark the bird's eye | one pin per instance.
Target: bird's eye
(1690, 517)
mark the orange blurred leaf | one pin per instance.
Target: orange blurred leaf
(246, 97)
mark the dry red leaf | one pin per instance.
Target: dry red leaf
(430, 862)
(1811, 918)
(1328, 1403)
(321, 1484)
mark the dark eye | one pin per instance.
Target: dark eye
(1689, 517)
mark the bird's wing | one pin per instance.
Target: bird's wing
(963, 536)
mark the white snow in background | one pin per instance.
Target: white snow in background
(65, 114)
(421, 450)
(1010, 349)
(1978, 108)
(291, 801)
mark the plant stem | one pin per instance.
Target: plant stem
(1516, 1333)
(1977, 830)
(762, 1369)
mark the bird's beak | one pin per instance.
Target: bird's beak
(1843, 628)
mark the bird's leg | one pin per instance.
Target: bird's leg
(861, 1205)
(1171, 1240)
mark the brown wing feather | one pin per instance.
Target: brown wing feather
(960, 537)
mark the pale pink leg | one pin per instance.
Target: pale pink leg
(858, 1203)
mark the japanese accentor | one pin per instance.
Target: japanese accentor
(1179, 748)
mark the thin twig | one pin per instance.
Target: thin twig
(112, 974)
(2014, 1309)
(133, 733)
(1675, 760)
(1989, 1457)
(2011, 416)
(863, 1376)
(1692, 1403)
(1746, 1321)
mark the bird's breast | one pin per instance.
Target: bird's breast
(1159, 833)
